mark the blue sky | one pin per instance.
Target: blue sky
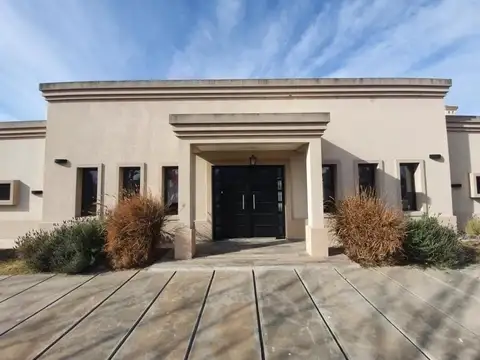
(79, 40)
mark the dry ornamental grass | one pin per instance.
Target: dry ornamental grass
(370, 231)
(134, 229)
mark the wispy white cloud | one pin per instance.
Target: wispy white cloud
(92, 40)
(56, 41)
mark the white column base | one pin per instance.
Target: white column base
(184, 245)
(317, 241)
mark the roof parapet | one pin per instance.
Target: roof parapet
(246, 89)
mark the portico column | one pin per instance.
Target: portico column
(185, 234)
(316, 236)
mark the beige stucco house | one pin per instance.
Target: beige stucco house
(240, 158)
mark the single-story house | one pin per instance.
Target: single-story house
(240, 158)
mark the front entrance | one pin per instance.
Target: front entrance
(248, 201)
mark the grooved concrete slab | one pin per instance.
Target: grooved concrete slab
(452, 303)
(231, 301)
(292, 327)
(361, 330)
(35, 334)
(25, 304)
(165, 331)
(326, 311)
(101, 331)
(439, 336)
(15, 284)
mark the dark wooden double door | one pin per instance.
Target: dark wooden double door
(248, 201)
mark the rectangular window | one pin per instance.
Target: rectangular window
(130, 178)
(329, 173)
(170, 189)
(5, 191)
(367, 177)
(407, 186)
(89, 186)
(9, 192)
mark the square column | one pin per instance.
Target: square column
(184, 247)
(316, 235)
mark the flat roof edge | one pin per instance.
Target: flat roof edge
(212, 83)
(22, 124)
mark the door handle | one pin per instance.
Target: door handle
(253, 201)
(243, 201)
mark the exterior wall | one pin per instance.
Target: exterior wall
(138, 132)
(465, 158)
(23, 160)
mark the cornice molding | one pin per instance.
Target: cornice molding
(245, 89)
(249, 125)
(23, 129)
(462, 123)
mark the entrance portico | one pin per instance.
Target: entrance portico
(298, 134)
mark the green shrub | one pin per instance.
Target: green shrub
(135, 227)
(71, 247)
(428, 242)
(473, 227)
(35, 248)
(370, 231)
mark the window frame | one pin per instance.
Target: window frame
(379, 175)
(336, 166)
(164, 169)
(100, 189)
(420, 186)
(143, 177)
(472, 178)
(14, 192)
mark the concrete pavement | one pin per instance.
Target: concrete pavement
(285, 312)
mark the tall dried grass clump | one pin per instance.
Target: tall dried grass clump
(370, 231)
(135, 228)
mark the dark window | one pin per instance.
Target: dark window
(367, 177)
(5, 192)
(131, 180)
(89, 191)
(329, 176)
(170, 189)
(477, 180)
(407, 185)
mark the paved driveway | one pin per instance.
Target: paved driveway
(309, 312)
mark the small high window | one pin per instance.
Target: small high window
(474, 185)
(9, 192)
(88, 191)
(407, 186)
(5, 191)
(130, 178)
(329, 173)
(170, 188)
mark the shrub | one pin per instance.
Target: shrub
(35, 249)
(473, 227)
(71, 247)
(370, 231)
(428, 242)
(134, 229)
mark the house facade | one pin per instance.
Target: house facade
(240, 158)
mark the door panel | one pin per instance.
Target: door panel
(266, 218)
(248, 201)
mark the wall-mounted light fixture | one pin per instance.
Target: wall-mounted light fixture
(37, 192)
(456, 186)
(435, 156)
(61, 161)
(253, 160)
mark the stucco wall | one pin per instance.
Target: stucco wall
(23, 160)
(134, 132)
(465, 158)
